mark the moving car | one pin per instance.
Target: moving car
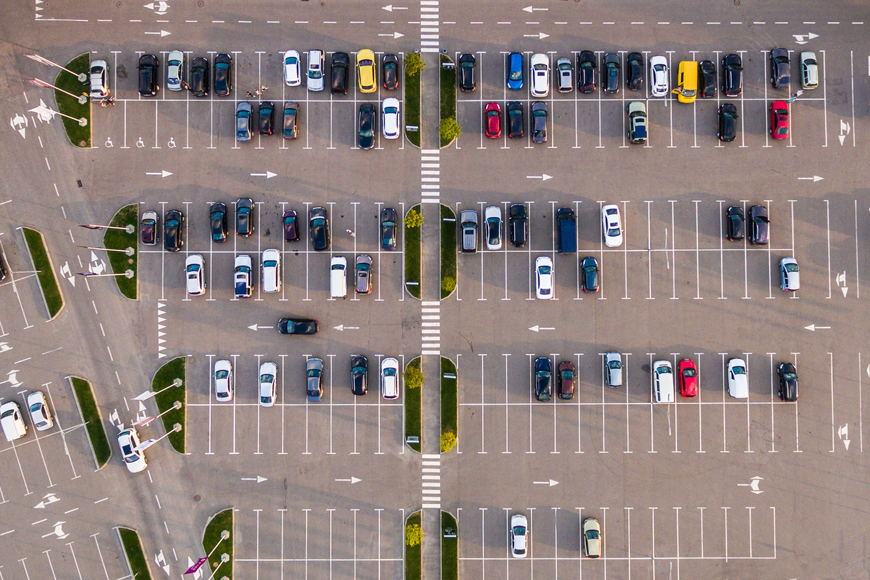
(40, 416)
(788, 382)
(245, 216)
(174, 70)
(367, 126)
(658, 76)
(738, 382)
(11, 421)
(217, 215)
(586, 65)
(297, 326)
(389, 219)
(589, 271)
(359, 375)
(789, 275)
(519, 224)
(779, 65)
(290, 224)
(271, 276)
(363, 274)
(268, 381)
(128, 441)
(467, 64)
(634, 71)
(566, 380)
(318, 228)
(200, 83)
(539, 71)
(515, 71)
(244, 121)
(292, 69)
(150, 226)
(688, 378)
(194, 269)
(223, 75)
(314, 383)
(543, 379)
(809, 70)
(224, 381)
(637, 122)
(543, 278)
(148, 72)
(173, 231)
(99, 79)
(564, 75)
(519, 535)
(494, 225)
(291, 120)
(779, 119)
(515, 120)
(390, 378)
(539, 122)
(613, 369)
(390, 118)
(390, 71)
(611, 225)
(687, 81)
(338, 72)
(759, 225)
(314, 76)
(610, 73)
(663, 382)
(591, 538)
(492, 120)
(366, 75)
(468, 223)
(243, 269)
(734, 223)
(707, 79)
(732, 75)
(727, 122)
(266, 117)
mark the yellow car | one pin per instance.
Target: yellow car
(365, 71)
(687, 82)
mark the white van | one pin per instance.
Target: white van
(663, 382)
(12, 422)
(338, 277)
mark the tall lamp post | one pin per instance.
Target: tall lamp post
(82, 77)
(148, 394)
(40, 110)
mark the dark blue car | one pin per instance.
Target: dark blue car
(515, 71)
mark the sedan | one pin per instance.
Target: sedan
(519, 224)
(515, 71)
(586, 65)
(266, 117)
(789, 275)
(732, 75)
(468, 223)
(359, 373)
(318, 228)
(734, 229)
(539, 70)
(727, 122)
(779, 74)
(543, 379)
(268, 381)
(707, 79)
(98, 77)
(779, 119)
(291, 120)
(759, 225)
(223, 75)
(539, 122)
(245, 216)
(367, 126)
(658, 76)
(390, 118)
(543, 278)
(271, 271)
(390, 378)
(610, 73)
(390, 71)
(224, 381)
(290, 225)
(389, 220)
(148, 69)
(244, 121)
(589, 270)
(494, 225)
(194, 273)
(134, 459)
(150, 225)
(200, 83)
(738, 382)
(366, 75)
(564, 75)
(519, 535)
(467, 82)
(39, 413)
(218, 218)
(338, 72)
(788, 382)
(314, 375)
(566, 380)
(613, 369)
(809, 70)
(297, 326)
(634, 71)
(314, 80)
(292, 69)
(591, 538)
(243, 276)
(173, 231)
(492, 120)
(363, 274)
(663, 382)
(174, 70)
(688, 378)
(611, 225)
(515, 120)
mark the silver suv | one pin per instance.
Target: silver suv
(468, 223)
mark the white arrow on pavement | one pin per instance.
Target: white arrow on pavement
(813, 327)
(49, 499)
(543, 177)
(536, 328)
(342, 327)
(390, 7)
(267, 175)
(258, 327)
(161, 33)
(163, 173)
(352, 480)
(753, 484)
(393, 34)
(803, 38)
(539, 35)
(530, 9)
(258, 479)
(814, 178)
(549, 482)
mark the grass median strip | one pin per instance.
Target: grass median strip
(220, 560)
(78, 135)
(45, 273)
(449, 405)
(121, 240)
(135, 554)
(413, 249)
(167, 394)
(413, 402)
(449, 127)
(413, 69)
(93, 421)
(413, 540)
(449, 547)
(448, 251)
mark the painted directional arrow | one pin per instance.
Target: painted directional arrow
(390, 7)
(536, 328)
(803, 38)
(161, 33)
(550, 482)
(543, 177)
(163, 173)
(258, 479)
(540, 35)
(47, 500)
(813, 327)
(352, 480)
(267, 175)
(393, 34)
(259, 327)
(342, 327)
(530, 9)
(753, 484)
(814, 178)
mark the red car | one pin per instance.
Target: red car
(779, 119)
(492, 120)
(688, 378)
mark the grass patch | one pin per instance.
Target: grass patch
(448, 94)
(449, 401)
(413, 542)
(42, 263)
(166, 397)
(413, 251)
(220, 522)
(448, 251)
(135, 554)
(78, 135)
(413, 403)
(93, 421)
(449, 548)
(121, 240)
(412, 106)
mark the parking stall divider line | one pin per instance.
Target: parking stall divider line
(577, 243)
(772, 428)
(531, 381)
(458, 396)
(791, 108)
(257, 382)
(233, 452)
(668, 98)
(721, 255)
(482, 451)
(283, 253)
(745, 260)
(748, 421)
(624, 251)
(833, 425)
(307, 256)
(378, 204)
(673, 251)
(601, 90)
(603, 416)
(648, 203)
(210, 390)
(283, 423)
(380, 399)
(769, 260)
(622, 94)
(506, 407)
(555, 366)
(627, 422)
(698, 253)
(652, 446)
(331, 383)
(259, 204)
(723, 389)
(828, 234)
(676, 414)
(700, 415)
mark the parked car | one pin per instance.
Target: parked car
(366, 75)
(359, 373)
(591, 538)
(290, 224)
(291, 120)
(389, 227)
(637, 122)
(634, 71)
(613, 369)
(663, 382)
(244, 121)
(809, 70)
(314, 76)
(40, 415)
(224, 381)
(564, 75)
(492, 120)
(788, 382)
(268, 381)
(543, 379)
(318, 228)
(687, 81)
(779, 119)
(338, 72)
(468, 224)
(539, 71)
(390, 378)
(543, 278)
(223, 75)
(539, 122)
(734, 229)
(727, 122)
(707, 79)
(134, 459)
(515, 71)
(194, 273)
(149, 68)
(200, 81)
(367, 126)
(519, 535)
(390, 71)
(99, 82)
(732, 75)
(173, 231)
(759, 225)
(11, 421)
(390, 118)
(779, 68)
(515, 120)
(658, 76)
(789, 275)
(494, 226)
(271, 276)
(150, 228)
(363, 274)
(467, 82)
(243, 269)
(586, 65)
(611, 226)
(519, 224)
(314, 376)
(245, 216)
(292, 68)
(610, 73)
(174, 70)
(566, 380)
(218, 219)
(297, 326)
(688, 378)
(589, 270)
(738, 382)
(266, 117)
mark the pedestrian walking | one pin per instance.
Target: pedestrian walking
(350, 232)
(259, 92)
(250, 95)
(185, 86)
(263, 88)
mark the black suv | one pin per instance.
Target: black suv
(173, 231)
(519, 224)
(338, 72)
(149, 67)
(732, 75)
(199, 77)
(223, 75)
(218, 218)
(466, 72)
(245, 216)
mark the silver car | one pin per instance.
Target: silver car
(244, 121)
(315, 70)
(809, 70)
(224, 381)
(468, 223)
(613, 369)
(363, 274)
(564, 75)
(39, 413)
(314, 375)
(99, 82)
(174, 70)
(789, 275)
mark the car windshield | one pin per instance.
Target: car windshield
(266, 379)
(389, 372)
(789, 376)
(590, 269)
(289, 220)
(221, 67)
(614, 364)
(516, 113)
(313, 372)
(35, 407)
(471, 64)
(663, 370)
(290, 60)
(540, 113)
(242, 269)
(738, 370)
(317, 222)
(363, 267)
(544, 270)
(759, 219)
(567, 374)
(791, 267)
(542, 376)
(612, 232)
(365, 62)
(221, 375)
(270, 264)
(128, 454)
(592, 534)
(193, 268)
(659, 68)
(689, 373)
(99, 69)
(358, 370)
(314, 73)
(390, 110)
(519, 530)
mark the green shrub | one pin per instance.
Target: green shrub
(413, 534)
(414, 64)
(450, 129)
(448, 442)
(413, 377)
(414, 219)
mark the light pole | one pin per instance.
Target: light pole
(149, 442)
(128, 251)
(129, 228)
(82, 99)
(148, 394)
(82, 77)
(224, 559)
(126, 274)
(175, 406)
(40, 110)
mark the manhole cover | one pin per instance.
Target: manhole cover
(197, 498)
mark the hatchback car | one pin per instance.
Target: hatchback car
(586, 65)
(134, 459)
(245, 216)
(194, 273)
(40, 416)
(613, 369)
(788, 382)
(291, 120)
(539, 71)
(150, 226)
(314, 73)
(515, 120)
(243, 271)
(519, 224)
(338, 72)
(389, 221)
(200, 81)
(658, 76)
(244, 121)
(363, 274)
(390, 118)
(734, 229)
(267, 382)
(688, 378)
(727, 122)
(366, 75)
(779, 119)
(634, 71)
(738, 381)
(174, 70)
(314, 382)
(809, 70)
(707, 79)
(217, 214)
(290, 225)
(566, 380)
(637, 122)
(492, 120)
(779, 65)
(543, 278)
(732, 75)
(589, 271)
(271, 270)
(297, 326)
(543, 379)
(611, 226)
(173, 231)
(390, 71)
(11, 421)
(266, 117)
(224, 381)
(539, 122)
(564, 75)
(467, 82)
(223, 75)
(367, 126)
(591, 538)
(292, 68)
(318, 228)
(99, 79)
(759, 225)
(494, 226)
(519, 535)
(468, 224)
(610, 73)
(515, 71)
(789, 275)
(663, 382)
(149, 67)
(359, 375)
(390, 378)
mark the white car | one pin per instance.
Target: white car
(134, 459)
(271, 270)
(99, 82)
(224, 381)
(611, 225)
(11, 421)
(493, 226)
(242, 276)
(292, 69)
(174, 70)
(390, 118)
(663, 382)
(519, 536)
(738, 380)
(268, 372)
(539, 71)
(613, 369)
(390, 378)
(789, 275)
(39, 413)
(543, 278)
(658, 76)
(194, 268)
(315, 70)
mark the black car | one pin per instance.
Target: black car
(390, 71)
(788, 382)
(519, 224)
(245, 216)
(707, 79)
(266, 117)
(338, 72)
(634, 71)
(759, 224)
(539, 122)
(297, 326)
(318, 228)
(173, 231)
(734, 229)
(291, 116)
(515, 120)
(149, 68)
(290, 225)
(199, 77)
(223, 75)
(586, 65)
(218, 217)
(610, 73)
(732, 75)
(389, 221)
(359, 374)
(727, 122)
(368, 114)
(589, 267)
(467, 63)
(543, 379)
(779, 75)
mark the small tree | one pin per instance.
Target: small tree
(450, 129)
(413, 534)
(414, 64)
(448, 441)
(413, 377)
(414, 219)
(448, 283)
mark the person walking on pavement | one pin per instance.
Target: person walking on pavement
(263, 88)
(250, 95)
(350, 232)
(258, 92)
